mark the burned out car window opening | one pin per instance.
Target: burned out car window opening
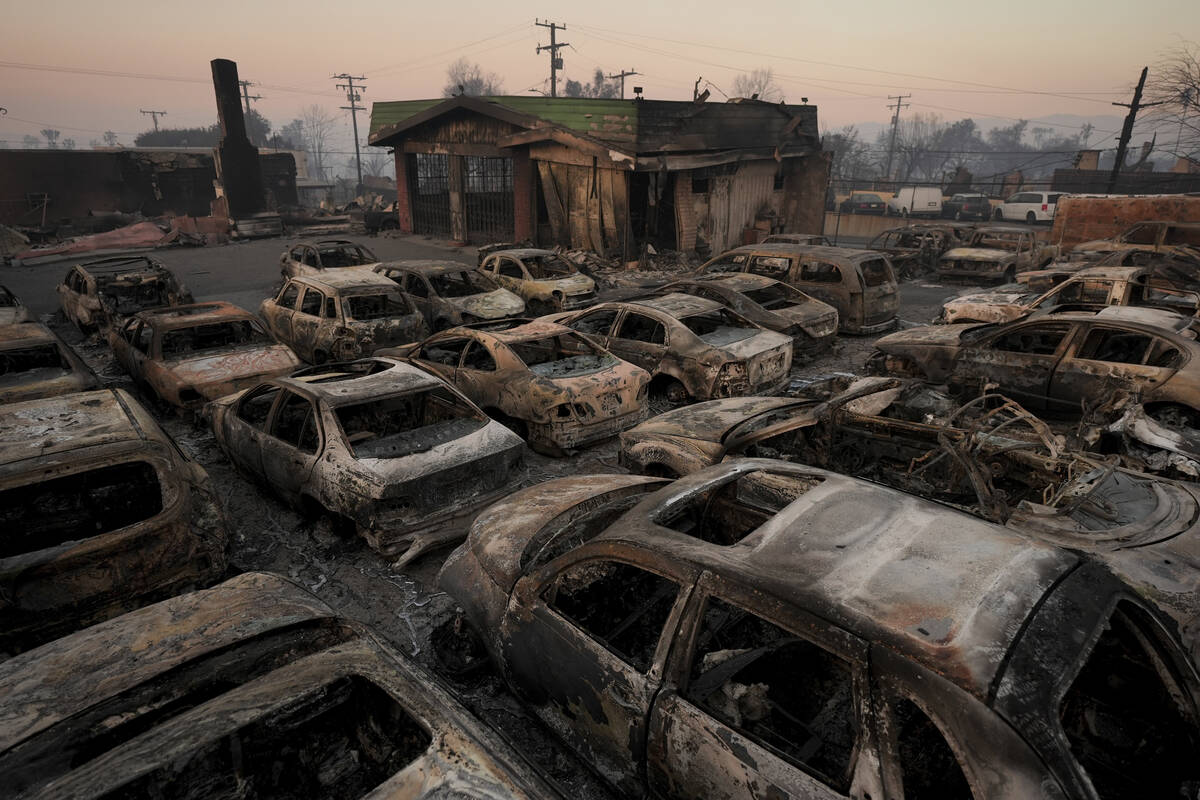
(375, 306)
(212, 337)
(27, 359)
(399, 426)
(561, 355)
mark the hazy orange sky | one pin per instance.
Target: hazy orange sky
(844, 57)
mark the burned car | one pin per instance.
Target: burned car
(772, 304)
(450, 294)
(100, 293)
(553, 387)
(187, 355)
(797, 238)
(251, 689)
(543, 279)
(1058, 362)
(915, 249)
(693, 347)
(996, 253)
(761, 623)
(860, 284)
(12, 310)
(341, 316)
(314, 257)
(377, 444)
(1158, 236)
(35, 363)
(1087, 290)
(100, 513)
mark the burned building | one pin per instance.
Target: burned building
(607, 175)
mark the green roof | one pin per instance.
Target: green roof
(608, 119)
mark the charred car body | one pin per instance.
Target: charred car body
(552, 386)
(797, 238)
(915, 249)
(450, 294)
(12, 310)
(377, 442)
(188, 355)
(996, 253)
(251, 689)
(100, 513)
(315, 257)
(761, 623)
(543, 279)
(1158, 236)
(35, 363)
(100, 293)
(693, 347)
(860, 284)
(772, 304)
(339, 316)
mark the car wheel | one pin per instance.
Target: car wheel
(998, 215)
(1031, 218)
(1010, 275)
(958, 216)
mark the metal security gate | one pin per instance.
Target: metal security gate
(429, 190)
(488, 199)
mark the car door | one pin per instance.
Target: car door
(291, 445)
(1105, 358)
(278, 313)
(585, 640)
(122, 342)
(138, 353)
(440, 355)
(306, 324)
(761, 702)
(1020, 359)
(640, 339)
(825, 281)
(596, 324)
(476, 377)
(246, 427)
(509, 273)
(422, 296)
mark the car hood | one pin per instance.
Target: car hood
(925, 336)
(489, 305)
(712, 420)
(757, 343)
(978, 254)
(207, 374)
(572, 284)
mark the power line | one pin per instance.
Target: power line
(246, 94)
(623, 74)
(379, 72)
(556, 63)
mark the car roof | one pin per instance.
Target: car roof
(740, 281)
(117, 265)
(427, 266)
(25, 334)
(948, 589)
(347, 280)
(318, 243)
(54, 425)
(522, 252)
(319, 383)
(1156, 319)
(526, 332)
(1004, 229)
(193, 314)
(677, 304)
(1109, 273)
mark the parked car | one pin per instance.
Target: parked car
(379, 444)
(102, 292)
(338, 316)
(187, 355)
(543, 279)
(314, 257)
(12, 310)
(760, 623)
(860, 284)
(35, 363)
(863, 203)
(1087, 290)
(915, 249)
(916, 201)
(449, 294)
(996, 253)
(797, 238)
(251, 689)
(101, 513)
(1059, 361)
(1029, 207)
(967, 205)
(553, 387)
(772, 304)
(1155, 236)
(694, 348)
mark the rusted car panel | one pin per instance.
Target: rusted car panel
(188, 355)
(693, 347)
(1159, 236)
(12, 310)
(996, 253)
(915, 249)
(100, 293)
(380, 443)
(35, 363)
(772, 304)
(99, 513)
(860, 284)
(321, 256)
(449, 294)
(339, 316)
(555, 388)
(679, 619)
(543, 279)
(309, 704)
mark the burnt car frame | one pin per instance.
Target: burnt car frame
(449, 294)
(35, 362)
(379, 444)
(915, 249)
(860, 284)
(760, 623)
(185, 356)
(1156, 235)
(98, 293)
(542, 278)
(996, 253)
(12, 310)
(101, 513)
(341, 315)
(251, 689)
(315, 256)
(552, 386)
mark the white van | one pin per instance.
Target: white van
(1028, 207)
(916, 201)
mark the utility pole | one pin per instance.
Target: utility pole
(623, 74)
(556, 63)
(246, 94)
(1127, 129)
(895, 125)
(155, 115)
(353, 96)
